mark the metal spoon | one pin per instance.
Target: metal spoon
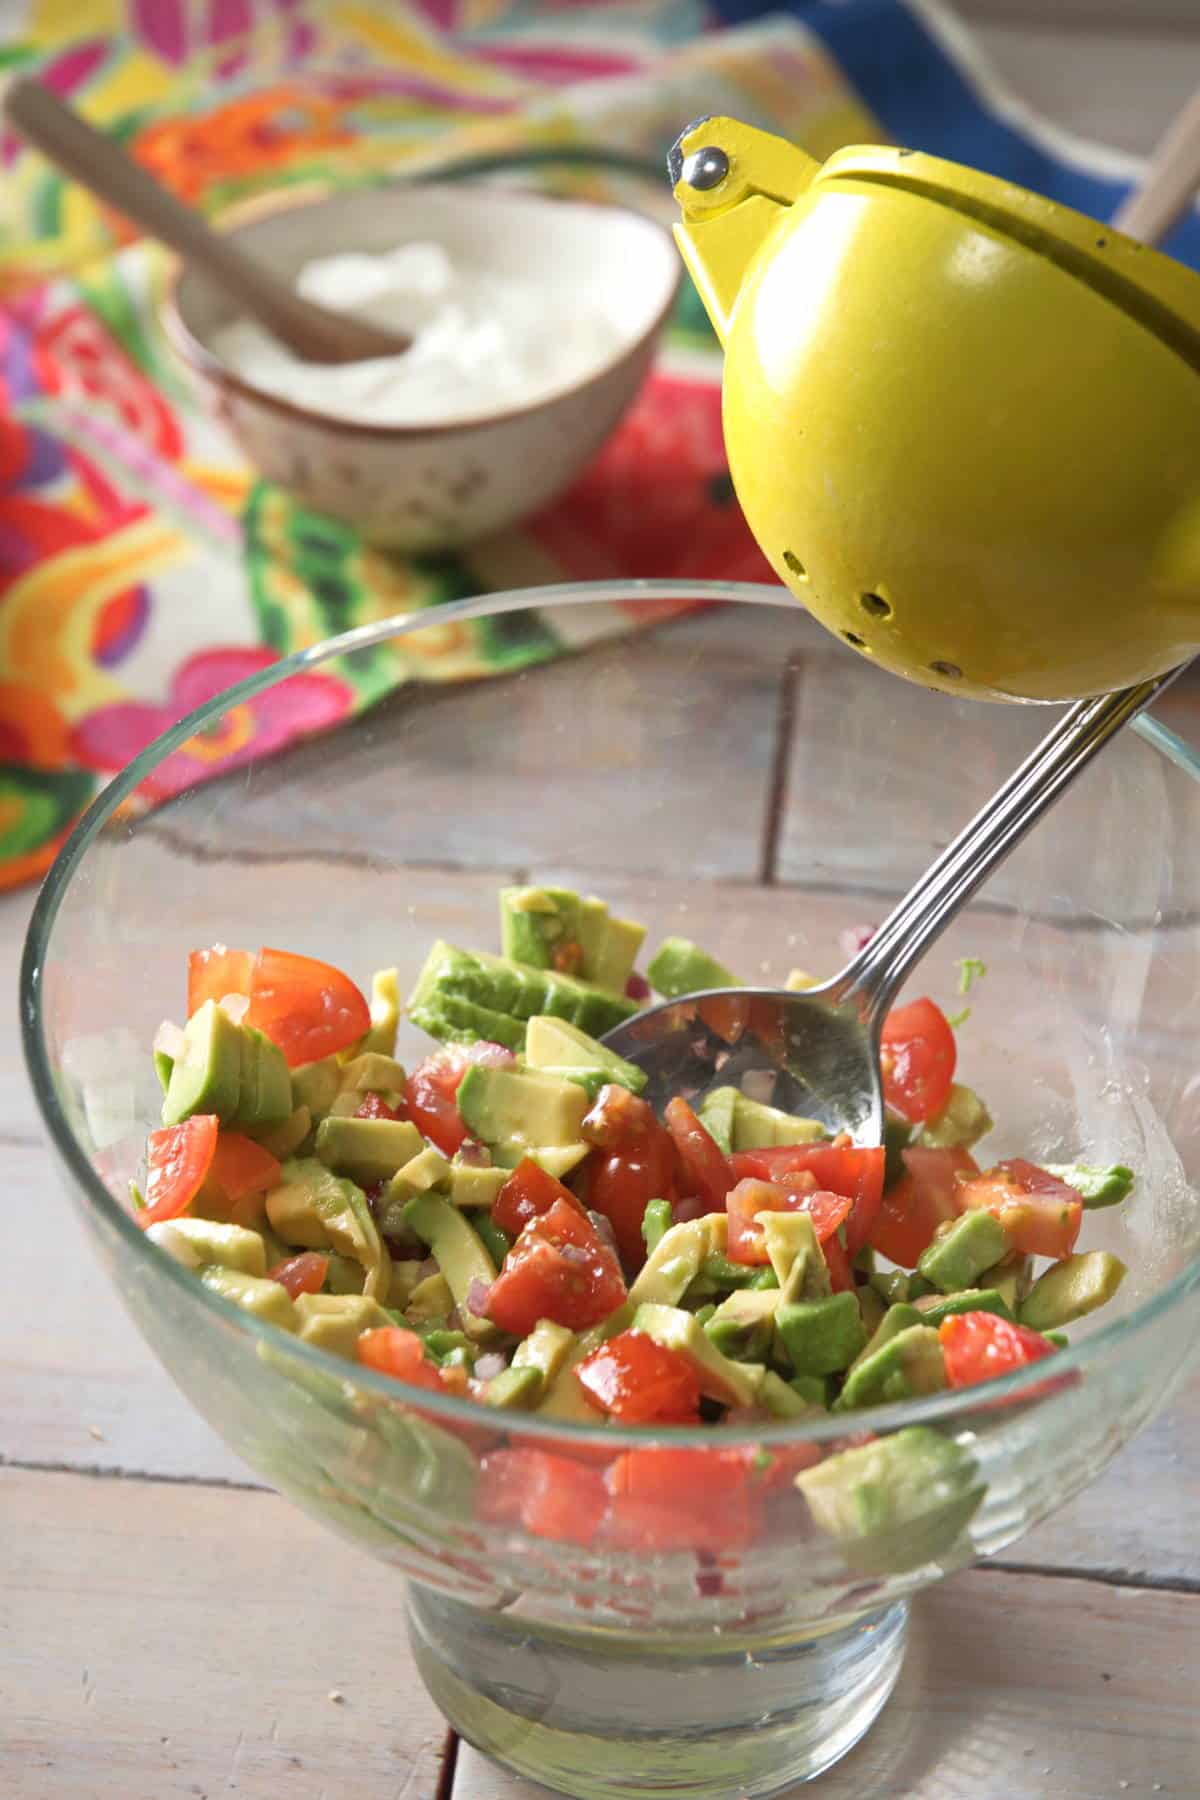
(816, 1053)
(314, 333)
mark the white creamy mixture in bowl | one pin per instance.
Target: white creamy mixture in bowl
(534, 322)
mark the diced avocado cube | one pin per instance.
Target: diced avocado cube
(499, 988)
(716, 1115)
(795, 1255)
(318, 1210)
(546, 1349)
(821, 1337)
(316, 1085)
(963, 1119)
(1072, 1288)
(335, 1322)
(385, 1012)
(733, 1384)
(496, 1241)
(207, 1075)
(254, 1294)
(163, 1064)
(897, 1502)
(673, 1264)
(1011, 1279)
(368, 1150)
(680, 967)
(459, 1252)
(554, 928)
(590, 1080)
(453, 1020)
(933, 1308)
(610, 946)
(557, 1159)
(371, 1072)
(896, 1319)
(1096, 1185)
(284, 1140)
(406, 1279)
(720, 1272)
(779, 1397)
(962, 1250)
(871, 1309)
(429, 1300)
(759, 1127)
(517, 1389)
(814, 1390)
(909, 1365)
(474, 1186)
(427, 1169)
(891, 1285)
(742, 1327)
(557, 1045)
(656, 1222)
(345, 1276)
(512, 1110)
(266, 1100)
(197, 1242)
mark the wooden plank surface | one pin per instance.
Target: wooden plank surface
(1013, 1685)
(180, 1643)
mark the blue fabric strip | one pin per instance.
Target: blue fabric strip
(925, 102)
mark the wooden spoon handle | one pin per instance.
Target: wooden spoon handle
(1171, 179)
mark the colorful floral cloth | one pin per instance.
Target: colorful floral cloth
(143, 567)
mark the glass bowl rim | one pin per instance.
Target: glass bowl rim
(947, 1407)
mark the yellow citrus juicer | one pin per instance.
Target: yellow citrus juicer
(963, 421)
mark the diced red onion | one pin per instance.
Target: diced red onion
(487, 1055)
(604, 1230)
(856, 938)
(474, 1154)
(637, 987)
(491, 1365)
(759, 1085)
(690, 1207)
(235, 1006)
(168, 1040)
(477, 1297)
(576, 1254)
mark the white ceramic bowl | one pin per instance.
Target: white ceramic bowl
(430, 487)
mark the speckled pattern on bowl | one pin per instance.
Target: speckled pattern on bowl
(431, 487)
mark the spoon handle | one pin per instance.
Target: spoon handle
(880, 969)
(108, 171)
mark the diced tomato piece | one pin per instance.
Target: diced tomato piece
(637, 1165)
(303, 1274)
(214, 973)
(1040, 1214)
(838, 1168)
(639, 1381)
(241, 1167)
(837, 1261)
(546, 1495)
(308, 1008)
(705, 1170)
(392, 1350)
(978, 1346)
(431, 1091)
(374, 1106)
(916, 1058)
(664, 1500)
(745, 1242)
(559, 1268)
(925, 1197)
(527, 1194)
(178, 1159)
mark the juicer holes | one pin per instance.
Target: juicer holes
(792, 562)
(876, 605)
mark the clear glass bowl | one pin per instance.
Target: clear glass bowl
(637, 770)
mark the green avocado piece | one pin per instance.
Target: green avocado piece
(871, 1309)
(517, 1389)
(781, 1398)
(316, 1085)
(207, 1076)
(318, 1211)
(1011, 1279)
(370, 1072)
(680, 967)
(909, 1365)
(163, 1064)
(546, 1349)
(896, 1319)
(897, 1502)
(473, 1186)
(732, 1383)
(254, 1294)
(796, 1255)
(1096, 1185)
(429, 1301)
(673, 1264)
(759, 1127)
(963, 1119)
(962, 1250)
(459, 1252)
(335, 1322)
(560, 1048)
(656, 1222)
(504, 988)
(891, 1285)
(427, 1169)
(555, 928)
(514, 1110)
(610, 946)
(197, 1243)
(933, 1308)
(1072, 1288)
(266, 1096)
(821, 1337)
(385, 1012)
(743, 1325)
(557, 1159)
(284, 1140)
(814, 1390)
(453, 1020)
(716, 1115)
(589, 1080)
(368, 1150)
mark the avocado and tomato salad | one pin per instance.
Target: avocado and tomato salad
(510, 1221)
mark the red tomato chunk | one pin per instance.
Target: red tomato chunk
(638, 1381)
(560, 1269)
(178, 1159)
(546, 1495)
(634, 1164)
(528, 1193)
(926, 1196)
(1040, 1214)
(917, 1057)
(303, 1274)
(838, 1169)
(978, 1346)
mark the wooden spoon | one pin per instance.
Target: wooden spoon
(316, 334)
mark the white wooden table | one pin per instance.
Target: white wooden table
(171, 1631)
